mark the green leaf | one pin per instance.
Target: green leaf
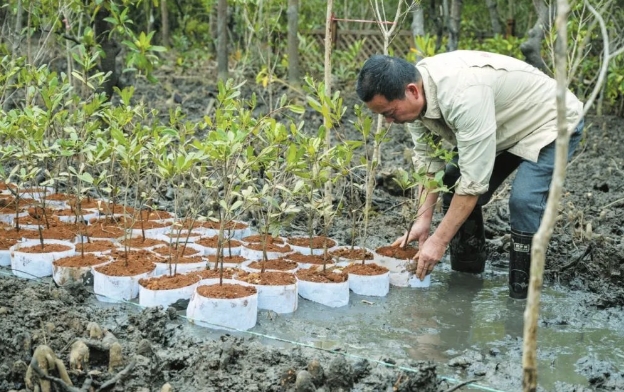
(297, 109)
(85, 177)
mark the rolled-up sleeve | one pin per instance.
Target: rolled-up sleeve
(473, 117)
(422, 158)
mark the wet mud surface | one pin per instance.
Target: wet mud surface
(463, 327)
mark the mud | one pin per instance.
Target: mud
(463, 327)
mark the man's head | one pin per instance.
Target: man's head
(392, 87)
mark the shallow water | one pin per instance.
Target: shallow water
(458, 312)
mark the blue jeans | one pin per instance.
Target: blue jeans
(529, 190)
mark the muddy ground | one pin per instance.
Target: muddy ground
(159, 347)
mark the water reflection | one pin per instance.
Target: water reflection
(458, 312)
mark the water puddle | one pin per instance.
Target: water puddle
(458, 312)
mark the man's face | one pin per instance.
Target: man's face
(399, 111)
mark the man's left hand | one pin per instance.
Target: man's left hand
(428, 256)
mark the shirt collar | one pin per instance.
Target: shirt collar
(431, 94)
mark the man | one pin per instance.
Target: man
(500, 114)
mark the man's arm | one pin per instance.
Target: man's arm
(422, 224)
(432, 250)
(459, 210)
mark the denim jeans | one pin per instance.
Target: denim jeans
(529, 190)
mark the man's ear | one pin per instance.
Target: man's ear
(412, 88)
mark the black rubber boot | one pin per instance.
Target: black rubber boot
(467, 247)
(519, 264)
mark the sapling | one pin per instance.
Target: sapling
(174, 158)
(275, 195)
(334, 159)
(131, 151)
(370, 160)
(418, 183)
(316, 168)
(227, 154)
(32, 152)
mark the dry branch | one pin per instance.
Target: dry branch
(120, 376)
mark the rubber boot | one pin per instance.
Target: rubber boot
(519, 264)
(467, 247)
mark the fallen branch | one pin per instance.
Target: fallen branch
(618, 201)
(463, 384)
(120, 376)
(570, 264)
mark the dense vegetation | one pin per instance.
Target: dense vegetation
(84, 36)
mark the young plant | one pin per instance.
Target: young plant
(176, 161)
(364, 125)
(129, 139)
(226, 153)
(417, 184)
(279, 187)
(30, 132)
(332, 109)
(318, 167)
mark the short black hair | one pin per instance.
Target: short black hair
(386, 76)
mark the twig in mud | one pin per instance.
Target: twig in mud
(120, 376)
(398, 382)
(570, 264)
(43, 332)
(580, 153)
(463, 384)
(618, 201)
(68, 345)
(616, 166)
(498, 195)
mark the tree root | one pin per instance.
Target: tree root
(120, 376)
(42, 363)
(64, 383)
(573, 262)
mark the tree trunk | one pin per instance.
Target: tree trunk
(441, 22)
(531, 48)
(328, 88)
(418, 26)
(16, 37)
(108, 63)
(213, 26)
(293, 43)
(444, 22)
(418, 20)
(494, 18)
(454, 24)
(544, 233)
(222, 40)
(510, 25)
(164, 16)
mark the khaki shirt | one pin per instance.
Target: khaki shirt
(485, 103)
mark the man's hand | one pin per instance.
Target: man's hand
(428, 256)
(419, 232)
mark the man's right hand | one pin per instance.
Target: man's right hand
(419, 232)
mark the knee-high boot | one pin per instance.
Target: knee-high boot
(467, 248)
(519, 264)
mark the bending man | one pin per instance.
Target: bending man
(500, 114)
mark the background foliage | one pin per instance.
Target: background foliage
(61, 34)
